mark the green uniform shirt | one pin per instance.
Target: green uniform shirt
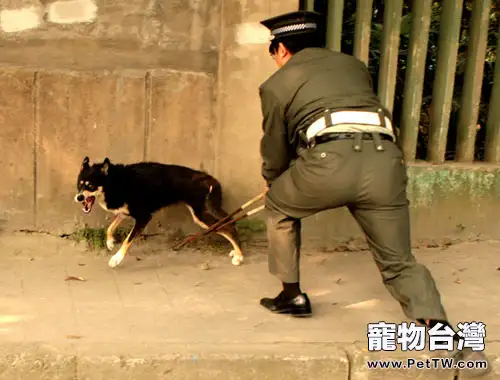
(313, 80)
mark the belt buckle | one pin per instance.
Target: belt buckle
(311, 144)
(308, 143)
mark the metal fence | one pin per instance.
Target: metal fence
(464, 141)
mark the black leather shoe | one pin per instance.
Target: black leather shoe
(300, 306)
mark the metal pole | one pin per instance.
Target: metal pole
(471, 95)
(307, 5)
(414, 77)
(492, 143)
(364, 10)
(334, 24)
(390, 50)
(442, 94)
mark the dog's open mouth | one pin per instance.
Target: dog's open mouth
(87, 204)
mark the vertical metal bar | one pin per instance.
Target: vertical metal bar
(393, 10)
(442, 94)
(414, 77)
(364, 10)
(471, 93)
(334, 24)
(492, 143)
(306, 5)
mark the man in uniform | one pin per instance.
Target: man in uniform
(328, 143)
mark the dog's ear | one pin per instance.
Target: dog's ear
(105, 166)
(85, 163)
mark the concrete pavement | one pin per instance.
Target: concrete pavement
(193, 315)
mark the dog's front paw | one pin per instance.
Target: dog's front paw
(110, 243)
(116, 259)
(237, 259)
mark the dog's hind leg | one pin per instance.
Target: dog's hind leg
(214, 212)
(204, 219)
(236, 254)
(110, 240)
(139, 226)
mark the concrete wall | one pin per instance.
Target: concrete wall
(51, 119)
(243, 65)
(180, 34)
(130, 80)
(172, 81)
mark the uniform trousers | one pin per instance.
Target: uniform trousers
(372, 185)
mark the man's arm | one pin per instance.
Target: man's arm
(274, 144)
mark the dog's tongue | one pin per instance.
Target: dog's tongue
(87, 204)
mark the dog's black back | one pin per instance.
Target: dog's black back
(146, 187)
(140, 189)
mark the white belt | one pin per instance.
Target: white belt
(351, 121)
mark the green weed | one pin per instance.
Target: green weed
(96, 237)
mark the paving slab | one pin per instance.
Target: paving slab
(361, 370)
(36, 361)
(158, 361)
(191, 314)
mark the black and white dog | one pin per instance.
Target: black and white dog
(138, 190)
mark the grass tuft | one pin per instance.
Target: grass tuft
(96, 237)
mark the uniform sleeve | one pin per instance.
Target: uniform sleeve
(273, 145)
